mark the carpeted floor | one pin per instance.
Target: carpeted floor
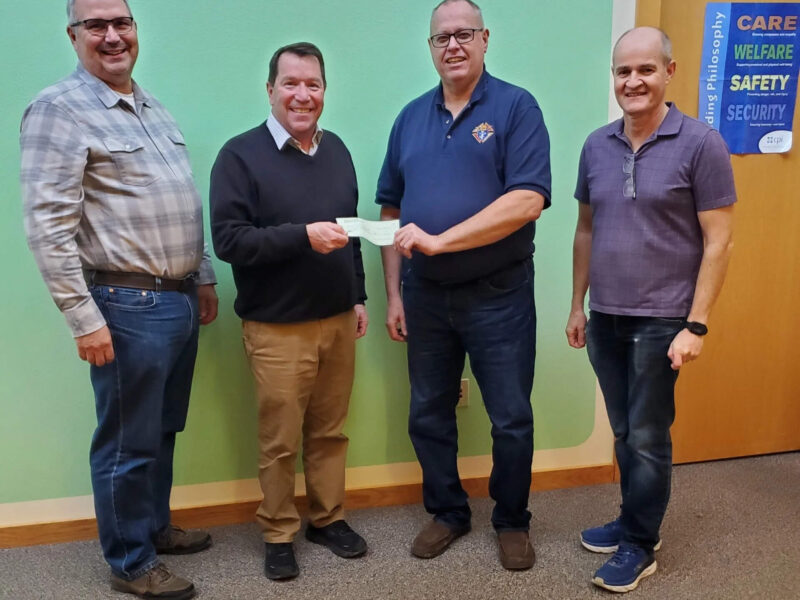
(731, 532)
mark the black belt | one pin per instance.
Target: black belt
(140, 281)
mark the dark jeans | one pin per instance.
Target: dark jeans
(141, 399)
(492, 319)
(629, 356)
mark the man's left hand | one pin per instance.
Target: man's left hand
(363, 320)
(685, 347)
(207, 303)
(410, 237)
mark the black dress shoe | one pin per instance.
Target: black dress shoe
(279, 562)
(339, 538)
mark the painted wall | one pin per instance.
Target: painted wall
(207, 62)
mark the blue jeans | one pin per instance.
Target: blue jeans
(629, 356)
(492, 319)
(141, 399)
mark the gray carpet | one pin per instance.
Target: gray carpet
(731, 532)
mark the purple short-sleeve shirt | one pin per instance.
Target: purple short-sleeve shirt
(646, 249)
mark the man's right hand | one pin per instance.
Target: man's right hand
(96, 348)
(396, 320)
(325, 237)
(576, 329)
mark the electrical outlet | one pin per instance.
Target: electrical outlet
(463, 393)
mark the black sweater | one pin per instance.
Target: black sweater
(261, 200)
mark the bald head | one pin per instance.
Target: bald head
(475, 8)
(72, 13)
(639, 35)
(642, 70)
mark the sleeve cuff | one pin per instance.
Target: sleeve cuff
(206, 275)
(532, 187)
(84, 318)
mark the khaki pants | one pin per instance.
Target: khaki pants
(304, 375)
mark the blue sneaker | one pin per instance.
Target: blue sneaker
(605, 539)
(623, 571)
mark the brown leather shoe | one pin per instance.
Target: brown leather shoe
(174, 540)
(158, 582)
(516, 552)
(434, 539)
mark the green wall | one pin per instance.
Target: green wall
(207, 61)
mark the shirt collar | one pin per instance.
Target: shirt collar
(477, 93)
(283, 137)
(107, 96)
(671, 124)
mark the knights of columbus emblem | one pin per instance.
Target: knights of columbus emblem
(483, 132)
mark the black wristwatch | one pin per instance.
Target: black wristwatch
(696, 328)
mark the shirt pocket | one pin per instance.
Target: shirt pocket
(130, 159)
(177, 145)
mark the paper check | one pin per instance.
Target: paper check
(380, 233)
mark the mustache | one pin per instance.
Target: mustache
(116, 46)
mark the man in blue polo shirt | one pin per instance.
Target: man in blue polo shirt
(467, 171)
(652, 243)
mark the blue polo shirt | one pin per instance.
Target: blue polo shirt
(439, 171)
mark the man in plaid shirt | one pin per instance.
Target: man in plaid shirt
(114, 221)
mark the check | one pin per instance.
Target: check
(380, 233)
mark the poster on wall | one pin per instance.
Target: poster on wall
(748, 74)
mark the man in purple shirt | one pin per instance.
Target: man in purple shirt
(653, 239)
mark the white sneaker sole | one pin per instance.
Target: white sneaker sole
(629, 587)
(608, 549)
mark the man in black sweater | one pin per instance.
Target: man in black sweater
(276, 191)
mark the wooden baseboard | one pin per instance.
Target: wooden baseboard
(242, 512)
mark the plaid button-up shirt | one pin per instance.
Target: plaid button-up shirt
(108, 188)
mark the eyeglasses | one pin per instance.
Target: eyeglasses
(628, 167)
(99, 27)
(463, 36)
